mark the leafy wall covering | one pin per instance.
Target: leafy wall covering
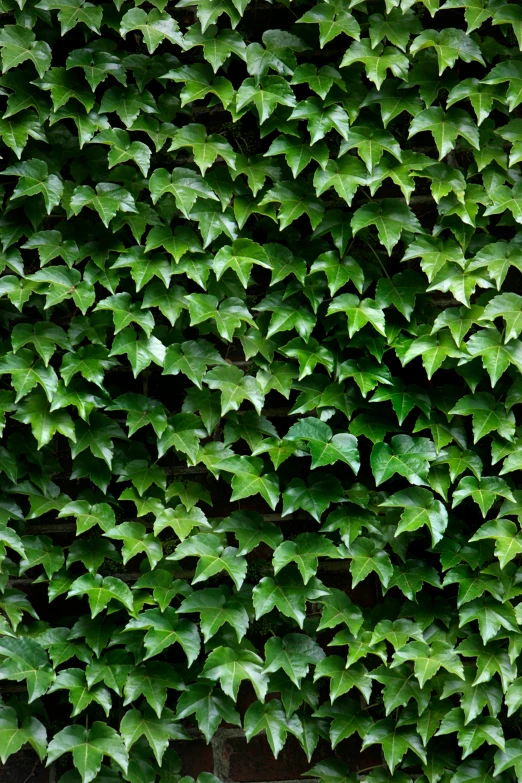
(260, 306)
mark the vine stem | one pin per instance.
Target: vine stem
(368, 769)
(379, 260)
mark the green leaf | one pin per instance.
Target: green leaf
(272, 719)
(390, 217)
(482, 490)
(216, 607)
(367, 556)
(232, 666)
(428, 659)
(395, 742)
(305, 552)
(100, 591)
(26, 660)
(450, 45)
(409, 457)
(152, 681)
(209, 705)
(287, 595)
(19, 44)
(15, 734)
(213, 558)
(88, 747)
(157, 731)
(347, 719)
(508, 541)
(107, 200)
(325, 448)
(343, 678)
(165, 629)
(472, 735)
(377, 60)
(420, 508)
(314, 497)
(154, 26)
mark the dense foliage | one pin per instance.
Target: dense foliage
(260, 311)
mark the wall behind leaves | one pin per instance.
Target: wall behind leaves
(260, 306)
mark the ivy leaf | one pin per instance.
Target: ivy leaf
(19, 44)
(205, 149)
(293, 653)
(332, 20)
(429, 659)
(272, 719)
(420, 508)
(157, 731)
(35, 410)
(287, 595)
(395, 742)
(325, 447)
(450, 45)
(213, 558)
(216, 607)
(100, 591)
(483, 491)
(339, 609)
(474, 697)
(305, 551)
(154, 26)
(509, 71)
(479, 94)
(506, 306)
(165, 629)
(128, 102)
(152, 681)
(14, 734)
(445, 127)
(231, 667)
(320, 118)
(80, 696)
(181, 520)
(491, 616)
(472, 735)
(359, 312)
(294, 201)
(366, 556)
(235, 387)
(345, 176)
(107, 200)
(377, 60)
(15, 132)
(488, 415)
(343, 678)
(250, 529)
(508, 541)
(409, 457)
(390, 217)
(338, 272)
(72, 12)
(228, 317)
(88, 747)
(209, 705)
(26, 660)
(314, 497)
(34, 179)
(400, 687)
(370, 143)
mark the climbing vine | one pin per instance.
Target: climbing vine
(260, 302)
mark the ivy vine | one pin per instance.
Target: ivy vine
(260, 311)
